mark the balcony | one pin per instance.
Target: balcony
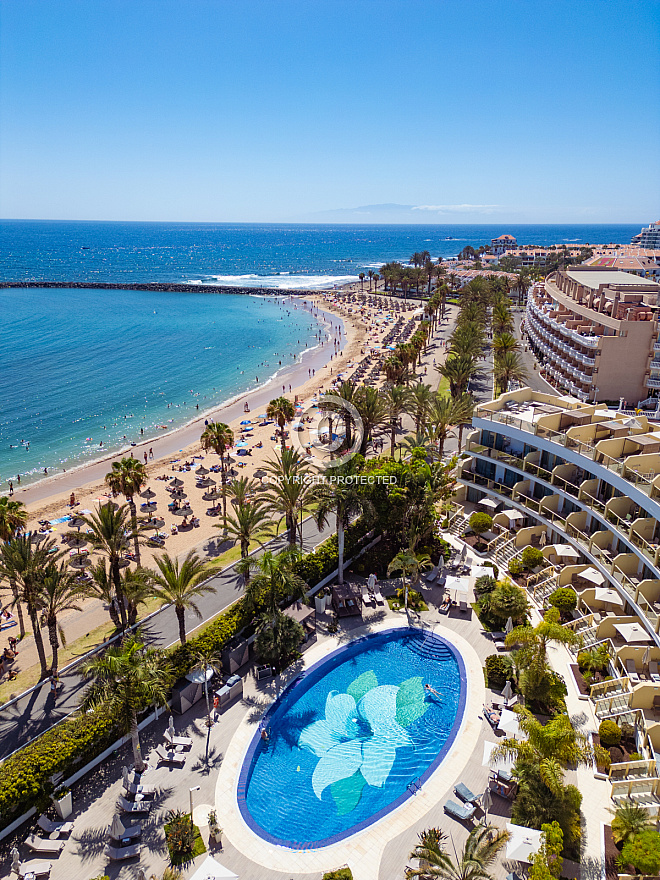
(652, 383)
(656, 346)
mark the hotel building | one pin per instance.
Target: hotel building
(582, 483)
(649, 237)
(595, 333)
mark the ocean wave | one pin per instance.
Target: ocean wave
(278, 281)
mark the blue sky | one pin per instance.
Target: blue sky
(279, 110)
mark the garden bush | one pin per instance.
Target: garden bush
(497, 671)
(183, 839)
(532, 557)
(508, 600)
(484, 585)
(339, 874)
(481, 522)
(642, 852)
(563, 598)
(515, 567)
(609, 733)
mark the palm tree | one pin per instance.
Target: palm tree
(106, 532)
(250, 520)
(125, 680)
(458, 370)
(369, 405)
(344, 500)
(549, 746)
(282, 411)
(24, 561)
(59, 591)
(444, 414)
(395, 399)
(347, 392)
(241, 489)
(504, 342)
(629, 820)
(288, 492)
(509, 368)
(419, 399)
(534, 641)
(479, 852)
(206, 660)
(394, 369)
(13, 518)
(274, 582)
(409, 563)
(464, 409)
(219, 437)
(137, 589)
(180, 585)
(501, 321)
(127, 477)
(102, 587)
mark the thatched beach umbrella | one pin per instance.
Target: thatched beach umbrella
(148, 493)
(75, 522)
(179, 494)
(176, 483)
(202, 471)
(75, 542)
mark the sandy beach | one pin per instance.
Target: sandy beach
(355, 328)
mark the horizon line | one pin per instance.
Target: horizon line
(319, 222)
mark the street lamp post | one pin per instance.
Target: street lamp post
(194, 788)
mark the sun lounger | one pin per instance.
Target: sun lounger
(183, 741)
(35, 868)
(133, 806)
(121, 853)
(128, 832)
(41, 845)
(653, 671)
(492, 716)
(631, 669)
(378, 597)
(465, 794)
(462, 812)
(432, 575)
(144, 790)
(51, 827)
(170, 757)
(463, 606)
(367, 598)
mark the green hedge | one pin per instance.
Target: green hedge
(24, 777)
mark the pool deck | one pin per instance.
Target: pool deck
(380, 852)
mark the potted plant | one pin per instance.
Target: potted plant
(320, 601)
(215, 831)
(63, 802)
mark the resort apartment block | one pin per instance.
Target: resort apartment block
(595, 333)
(649, 237)
(582, 483)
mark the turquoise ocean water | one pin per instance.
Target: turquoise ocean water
(101, 364)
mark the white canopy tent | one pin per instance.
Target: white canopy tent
(505, 764)
(212, 870)
(509, 723)
(565, 551)
(609, 595)
(632, 632)
(522, 843)
(478, 571)
(592, 575)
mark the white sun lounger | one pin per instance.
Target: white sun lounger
(121, 853)
(378, 597)
(41, 845)
(653, 671)
(144, 790)
(170, 757)
(631, 669)
(184, 741)
(36, 867)
(133, 806)
(128, 832)
(367, 598)
(51, 827)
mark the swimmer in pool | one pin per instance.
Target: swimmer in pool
(432, 690)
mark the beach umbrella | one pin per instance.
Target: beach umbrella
(508, 626)
(148, 493)
(523, 842)
(213, 495)
(246, 422)
(170, 726)
(179, 494)
(544, 539)
(201, 484)
(154, 523)
(76, 522)
(35, 537)
(464, 553)
(141, 875)
(80, 562)
(149, 505)
(124, 773)
(441, 563)
(202, 471)
(509, 723)
(647, 656)
(117, 829)
(76, 542)
(176, 482)
(486, 801)
(507, 692)
(15, 859)
(183, 511)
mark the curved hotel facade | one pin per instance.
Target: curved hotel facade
(582, 483)
(595, 333)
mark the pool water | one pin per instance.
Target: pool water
(352, 738)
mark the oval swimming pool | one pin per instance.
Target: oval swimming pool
(351, 738)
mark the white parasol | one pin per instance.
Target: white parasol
(509, 723)
(508, 627)
(507, 691)
(523, 842)
(632, 632)
(117, 829)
